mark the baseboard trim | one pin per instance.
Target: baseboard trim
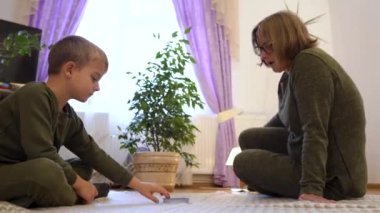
(373, 186)
(203, 179)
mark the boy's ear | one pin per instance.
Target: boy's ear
(68, 68)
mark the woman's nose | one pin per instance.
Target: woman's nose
(263, 55)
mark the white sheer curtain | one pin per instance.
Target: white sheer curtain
(227, 15)
(124, 30)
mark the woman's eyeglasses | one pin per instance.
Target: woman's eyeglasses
(266, 47)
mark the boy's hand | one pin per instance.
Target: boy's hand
(85, 189)
(147, 189)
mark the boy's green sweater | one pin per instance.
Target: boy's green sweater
(32, 126)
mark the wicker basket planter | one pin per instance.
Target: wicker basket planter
(158, 167)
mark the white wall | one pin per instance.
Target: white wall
(356, 33)
(15, 10)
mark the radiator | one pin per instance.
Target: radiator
(205, 141)
(205, 144)
(204, 148)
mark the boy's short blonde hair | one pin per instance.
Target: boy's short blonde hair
(76, 49)
(286, 32)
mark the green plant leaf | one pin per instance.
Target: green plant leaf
(21, 43)
(174, 34)
(187, 30)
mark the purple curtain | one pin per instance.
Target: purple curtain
(56, 19)
(210, 48)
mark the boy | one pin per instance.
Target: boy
(36, 120)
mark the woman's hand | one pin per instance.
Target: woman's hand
(84, 189)
(315, 198)
(147, 189)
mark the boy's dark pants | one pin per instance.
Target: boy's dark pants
(41, 179)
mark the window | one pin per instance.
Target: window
(124, 30)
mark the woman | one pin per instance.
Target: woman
(314, 147)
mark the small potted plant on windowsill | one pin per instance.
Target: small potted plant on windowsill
(18, 44)
(160, 121)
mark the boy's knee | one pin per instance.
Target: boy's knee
(46, 170)
(50, 187)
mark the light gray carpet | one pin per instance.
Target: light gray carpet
(6, 207)
(130, 201)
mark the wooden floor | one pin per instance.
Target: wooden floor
(372, 189)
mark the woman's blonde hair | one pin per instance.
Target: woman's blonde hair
(286, 32)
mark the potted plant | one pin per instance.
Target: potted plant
(18, 44)
(160, 121)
